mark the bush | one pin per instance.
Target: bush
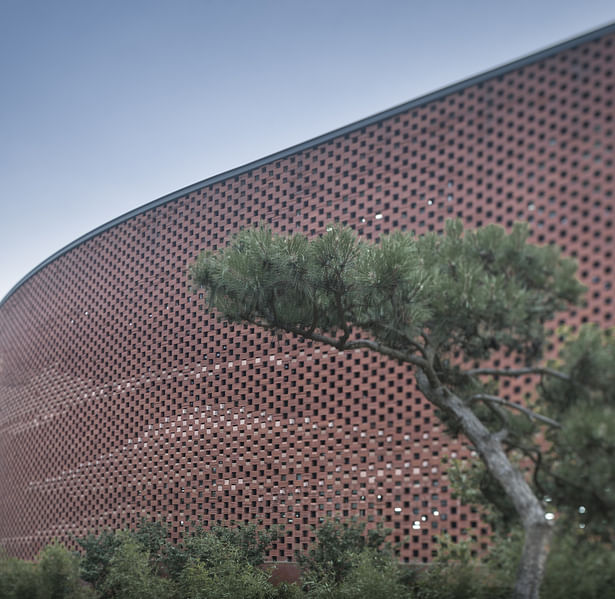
(55, 576)
(579, 567)
(337, 545)
(343, 563)
(253, 542)
(98, 552)
(130, 574)
(229, 578)
(348, 562)
(460, 581)
(18, 578)
(248, 542)
(457, 574)
(58, 574)
(286, 590)
(373, 576)
(217, 567)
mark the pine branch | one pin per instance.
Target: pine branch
(385, 349)
(535, 456)
(343, 344)
(503, 416)
(515, 406)
(518, 372)
(383, 325)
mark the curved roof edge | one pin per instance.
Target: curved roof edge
(380, 116)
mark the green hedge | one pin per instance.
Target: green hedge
(345, 562)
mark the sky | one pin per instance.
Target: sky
(106, 105)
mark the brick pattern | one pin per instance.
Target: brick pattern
(120, 397)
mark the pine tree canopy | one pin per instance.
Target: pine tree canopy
(471, 293)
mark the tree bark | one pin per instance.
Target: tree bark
(528, 507)
(533, 559)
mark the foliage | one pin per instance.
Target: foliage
(131, 575)
(222, 562)
(579, 566)
(286, 590)
(247, 541)
(250, 542)
(99, 549)
(18, 578)
(98, 552)
(370, 574)
(58, 573)
(434, 302)
(458, 574)
(336, 548)
(55, 575)
(152, 537)
(373, 576)
(459, 581)
(474, 292)
(222, 571)
(579, 471)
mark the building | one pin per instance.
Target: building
(120, 397)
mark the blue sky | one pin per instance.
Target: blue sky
(107, 105)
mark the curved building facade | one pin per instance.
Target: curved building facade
(120, 397)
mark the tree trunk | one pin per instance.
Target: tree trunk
(528, 507)
(533, 559)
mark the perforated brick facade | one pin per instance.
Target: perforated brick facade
(121, 398)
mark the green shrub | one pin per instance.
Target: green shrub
(337, 545)
(460, 581)
(58, 574)
(202, 545)
(18, 578)
(343, 563)
(152, 536)
(218, 568)
(98, 552)
(253, 542)
(458, 574)
(228, 579)
(373, 576)
(130, 574)
(286, 590)
(579, 567)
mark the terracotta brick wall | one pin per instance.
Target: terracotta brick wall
(121, 398)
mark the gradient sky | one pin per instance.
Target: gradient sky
(108, 104)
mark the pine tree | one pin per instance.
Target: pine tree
(449, 305)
